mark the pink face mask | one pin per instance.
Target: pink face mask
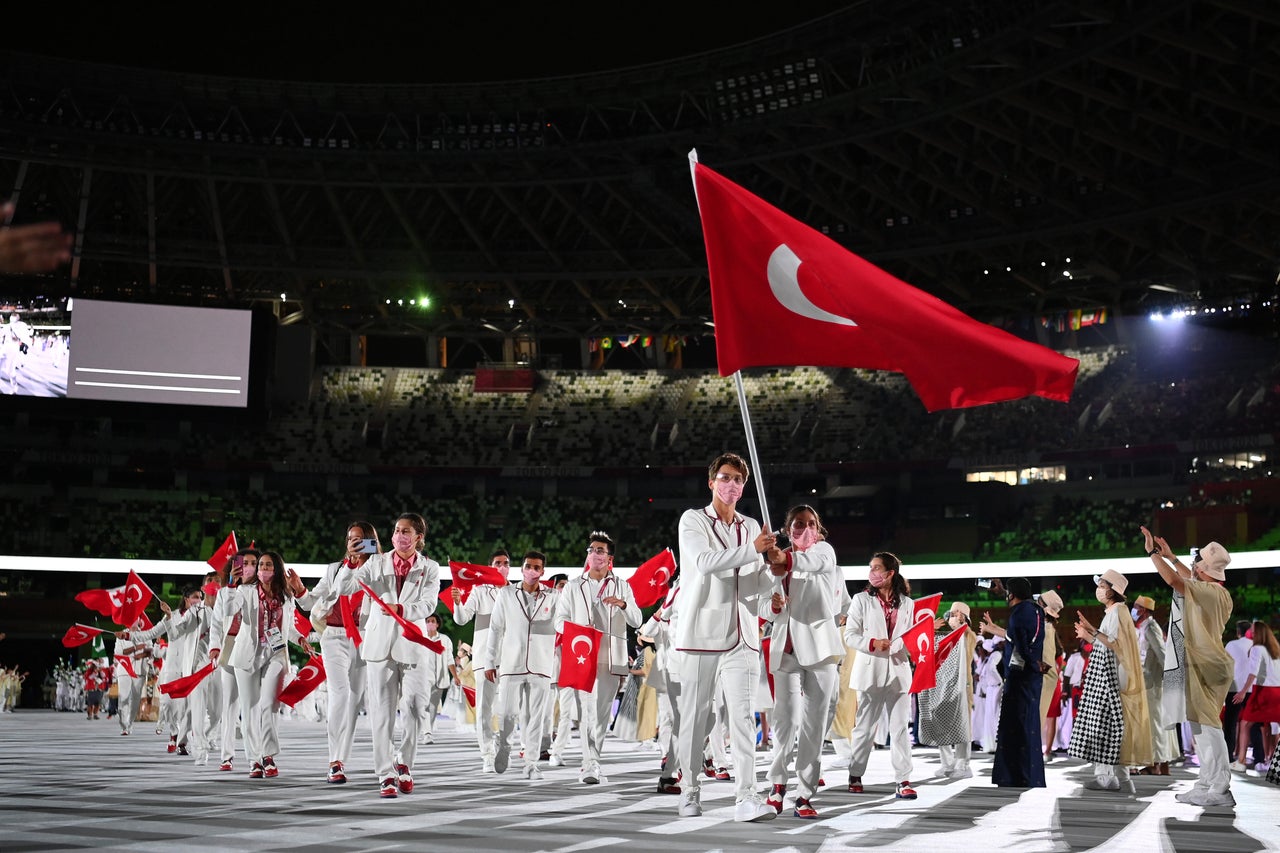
(728, 492)
(597, 562)
(805, 539)
(402, 541)
(531, 576)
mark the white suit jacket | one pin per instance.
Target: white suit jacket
(809, 616)
(865, 622)
(244, 600)
(478, 606)
(721, 581)
(522, 635)
(578, 604)
(383, 637)
(188, 641)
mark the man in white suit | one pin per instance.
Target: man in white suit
(409, 581)
(479, 606)
(522, 653)
(603, 601)
(722, 579)
(874, 625)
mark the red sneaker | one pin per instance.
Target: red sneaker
(388, 790)
(256, 772)
(269, 767)
(336, 774)
(905, 791)
(226, 765)
(403, 779)
(805, 810)
(855, 784)
(722, 773)
(173, 744)
(709, 769)
(775, 797)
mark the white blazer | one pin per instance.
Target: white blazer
(522, 635)
(578, 604)
(865, 622)
(721, 581)
(478, 606)
(809, 616)
(188, 641)
(383, 637)
(244, 600)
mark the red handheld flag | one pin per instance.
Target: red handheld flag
(446, 597)
(782, 293)
(349, 606)
(127, 663)
(78, 635)
(104, 601)
(928, 604)
(226, 552)
(301, 623)
(649, 582)
(919, 644)
(470, 693)
(412, 632)
(947, 643)
(309, 678)
(137, 595)
(467, 575)
(181, 688)
(578, 652)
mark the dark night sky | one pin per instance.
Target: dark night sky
(459, 41)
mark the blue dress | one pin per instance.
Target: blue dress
(1019, 761)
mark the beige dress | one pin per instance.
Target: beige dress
(1135, 749)
(1206, 609)
(1049, 684)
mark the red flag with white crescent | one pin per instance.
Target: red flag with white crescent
(102, 601)
(929, 604)
(650, 582)
(349, 606)
(947, 643)
(301, 623)
(467, 575)
(579, 649)
(137, 595)
(307, 680)
(919, 644)
(226, 552)
(124, 661)
(78, 635)
(181, 688)
(470, 693)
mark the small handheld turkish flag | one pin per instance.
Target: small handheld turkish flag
(649, 582)
(103, 601)
(78, 635)
(928, 604)
(919, 644)
(467, 575)
(181, 688)
(309, 678)
(302, 623)
(137, 595)
(578, 652)
(226, 552)
(349, 607)
(412, 632)
(470, 693)
(947, 643)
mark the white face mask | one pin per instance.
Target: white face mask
(1136, 613)
(1101, 594)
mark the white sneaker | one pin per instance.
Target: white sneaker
(1094, 785)
(960, 773)
(753, 809)
(532, 773)
(591, 775)
(1206, 798)
(556, 761)
(1238, 766)
(489, 766)
(689, 804)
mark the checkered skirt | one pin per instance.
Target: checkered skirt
(1099, 727)
(943, 708)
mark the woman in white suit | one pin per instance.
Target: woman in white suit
(409, 581)
(259, 657)
(803, 654)
(874, 625)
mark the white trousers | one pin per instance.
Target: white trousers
(345, 681)
(736, 672)
(570, 710)
(415, 705)
(801, 702)
(229, 701)
(596, 706)
(486, 694)
(524, 699)
(130, 699)
(872, 703)
(386, 683)
(669, 724)
(1211, 748)
(259, 689)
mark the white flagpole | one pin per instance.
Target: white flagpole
(751, 449)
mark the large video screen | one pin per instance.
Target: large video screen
(87, 349)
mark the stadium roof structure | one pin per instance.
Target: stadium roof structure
(1011, 157)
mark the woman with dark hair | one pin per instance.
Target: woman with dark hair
(222, 636)
(803, 653)
(338, 619)
(1112, 729)
(409, 582)
(1019, 762)
(260, 657)
(946, 709)
(874, 625)
(1262, 690)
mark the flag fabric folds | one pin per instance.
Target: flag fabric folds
(226, 552)
(467, 575)
(78, 635)
(470, 693)
(301, 623)
(181, 688)
(946, 644)
(103, 601)
(919, 644)
(137, 595)
(349, 606)
(928, 604)
(308, 679)
(650, 582)
(579, 649)
(412, 632)
(784, 294)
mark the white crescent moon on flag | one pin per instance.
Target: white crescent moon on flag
(662, 575)
(129, 591)
(117, 596)
(308, 672)
(782, 271)
(922, 642)
(465, 574)
(582, 638)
